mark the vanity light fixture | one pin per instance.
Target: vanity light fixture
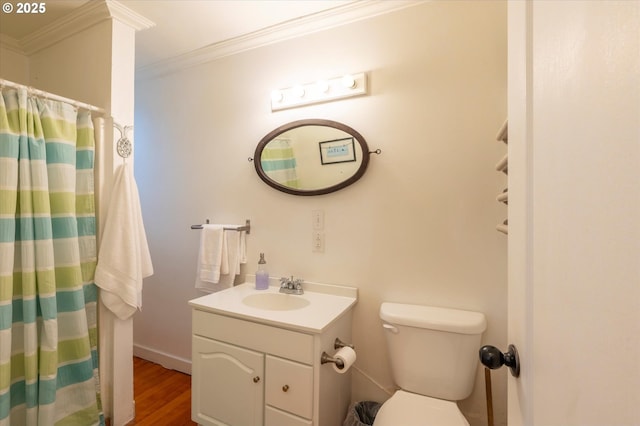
(322, 91)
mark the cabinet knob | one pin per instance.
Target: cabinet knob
(256, 379)
(285, 388)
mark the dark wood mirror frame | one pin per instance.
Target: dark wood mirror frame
(311, 122)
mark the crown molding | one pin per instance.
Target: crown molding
(85, 16)
(10, 43)
(321, 21)
(127, 16)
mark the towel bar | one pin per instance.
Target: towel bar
(246, 227)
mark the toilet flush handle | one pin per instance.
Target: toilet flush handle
(391, 328)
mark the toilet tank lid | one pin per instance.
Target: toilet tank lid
(433, 318)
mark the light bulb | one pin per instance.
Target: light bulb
(276, 96)
(298, 91)
(348, 81)
(323, 86)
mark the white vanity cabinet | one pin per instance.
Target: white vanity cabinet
(225, 372)
(246, 372)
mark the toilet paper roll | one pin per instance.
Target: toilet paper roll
(347, 356)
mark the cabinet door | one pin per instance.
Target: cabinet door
(289, 386)
(275, 417)
(227, 384)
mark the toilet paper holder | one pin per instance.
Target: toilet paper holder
(337, 344)
(326, 358)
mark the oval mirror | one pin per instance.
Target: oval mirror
(311, 157)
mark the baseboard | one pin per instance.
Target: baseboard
(166, 360)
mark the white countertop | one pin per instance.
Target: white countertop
(326, 304)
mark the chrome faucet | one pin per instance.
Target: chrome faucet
(291, 285)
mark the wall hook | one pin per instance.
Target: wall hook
(123, 146)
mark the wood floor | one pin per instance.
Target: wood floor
(163, 397)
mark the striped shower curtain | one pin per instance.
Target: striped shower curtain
(48, 328)
(279, 162)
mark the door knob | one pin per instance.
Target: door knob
(491, 357)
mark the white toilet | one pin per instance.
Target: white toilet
(434, 357)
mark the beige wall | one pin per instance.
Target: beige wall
(14, 66)
(78, 67)
(418, 228)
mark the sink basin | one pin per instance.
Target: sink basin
(311, 312)
(275, 301)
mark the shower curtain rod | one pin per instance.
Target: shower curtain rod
(42, 93)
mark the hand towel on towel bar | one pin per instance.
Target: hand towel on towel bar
(213, 256)
(123, 258)
(233, 253)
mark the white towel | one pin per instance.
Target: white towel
(234, 249)
(236, 244)
(242, 256)
(123, 258)
(213, 256)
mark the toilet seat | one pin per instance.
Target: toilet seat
(410, 409)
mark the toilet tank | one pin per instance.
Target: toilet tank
(433, 351)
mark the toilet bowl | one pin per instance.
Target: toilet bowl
(433, 356)
(410, 409)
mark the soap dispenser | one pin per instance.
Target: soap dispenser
(262, 276)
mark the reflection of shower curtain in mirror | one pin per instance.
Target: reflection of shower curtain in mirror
(48, 329)
(279, 162)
